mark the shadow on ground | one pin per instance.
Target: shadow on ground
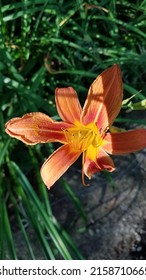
(115, 209)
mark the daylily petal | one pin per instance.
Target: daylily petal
(36, 128)
(104, 98)
(57, 164)
(102, 162)
(125, 142)
(68, 105)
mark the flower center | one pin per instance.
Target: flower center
(82, 136)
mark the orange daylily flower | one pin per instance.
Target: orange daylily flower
(82, 131)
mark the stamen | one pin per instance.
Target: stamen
(66, 132)
(82, 137)
(83, 175)
(105, 131)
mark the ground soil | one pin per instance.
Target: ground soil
(115, 209)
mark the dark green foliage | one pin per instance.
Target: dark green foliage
(47, 44)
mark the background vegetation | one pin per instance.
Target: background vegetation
(46, 44)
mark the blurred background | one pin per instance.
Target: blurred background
(46, 44)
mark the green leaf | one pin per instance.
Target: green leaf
(56, 234)
(8, 233)
(138, 106)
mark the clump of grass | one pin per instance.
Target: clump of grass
(47, 44)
